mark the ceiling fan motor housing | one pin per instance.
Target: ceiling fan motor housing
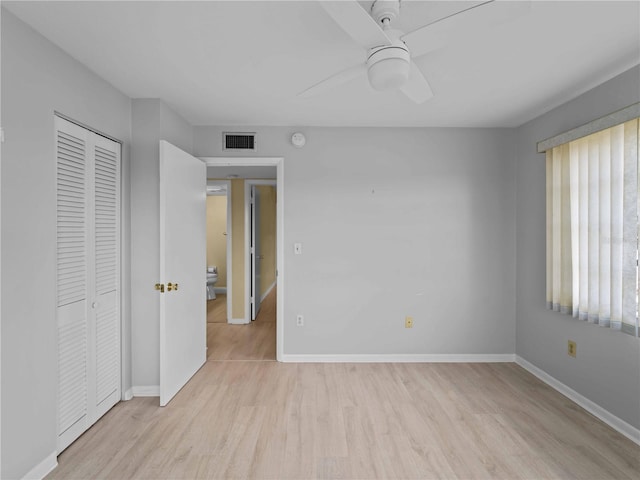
(388, 66)
(385, 9)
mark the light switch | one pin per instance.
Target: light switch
(297, 248)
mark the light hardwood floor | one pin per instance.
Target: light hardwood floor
(217, 309)
(269, 420)
(254, 341)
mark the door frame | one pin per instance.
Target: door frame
(124, 263)
(229, 289)
(248, 228)
(278, 162)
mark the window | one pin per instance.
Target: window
(592, 227)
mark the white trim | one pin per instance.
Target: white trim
(280, 272)
(246, 254)
(241, 161)
(43, 469)
(402, 358)
(239, 321)
(146, 391)
(629, 431)
(87, 127)
(124, 250)
(128, 395)
(280, 260)
(229, 289)
(608, 121)
(271, 287)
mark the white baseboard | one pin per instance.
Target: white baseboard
(128, 395)
(268, 290)
(401, 358)
(220, 290)
(146, 391)
(43, 469)
(239, 321)
(629, 431)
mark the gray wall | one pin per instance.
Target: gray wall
(606, 368)
(395, 222)
(152, 121)
(38, 78)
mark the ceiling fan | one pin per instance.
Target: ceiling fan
(389, 62)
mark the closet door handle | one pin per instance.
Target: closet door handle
(94, 305)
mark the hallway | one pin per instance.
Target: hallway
(256, 341)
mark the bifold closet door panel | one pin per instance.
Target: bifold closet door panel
(107, 272)
(72, 288)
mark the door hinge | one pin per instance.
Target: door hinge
(252, 250)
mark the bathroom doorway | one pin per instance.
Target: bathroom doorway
(219, 240)
(239, 334)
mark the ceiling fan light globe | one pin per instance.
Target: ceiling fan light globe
(389, 74)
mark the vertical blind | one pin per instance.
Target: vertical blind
(592, 227)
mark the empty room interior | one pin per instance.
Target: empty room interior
(319, 239)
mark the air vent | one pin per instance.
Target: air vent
(239, 141)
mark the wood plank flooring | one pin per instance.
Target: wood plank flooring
(254, 341)
(269, 420)
(217, 309)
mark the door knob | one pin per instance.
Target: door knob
(172, 286)
(160, 286)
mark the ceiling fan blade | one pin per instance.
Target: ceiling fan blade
(356, 22)
(333, 81)
(417, 88)
(463, 26)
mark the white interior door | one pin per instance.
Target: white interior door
(255, 252)
(182, 262)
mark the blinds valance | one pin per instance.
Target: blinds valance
(602, 123)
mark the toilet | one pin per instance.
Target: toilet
(212, 278)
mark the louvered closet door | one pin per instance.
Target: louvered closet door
(106, 306)
(72, 276)
(88, 253)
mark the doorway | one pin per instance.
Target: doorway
(240, 173)
(219, 242)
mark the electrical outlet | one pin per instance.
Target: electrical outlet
(299, 320)
(408, 322)
(571, 348)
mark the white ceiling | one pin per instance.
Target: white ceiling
(243, 62)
